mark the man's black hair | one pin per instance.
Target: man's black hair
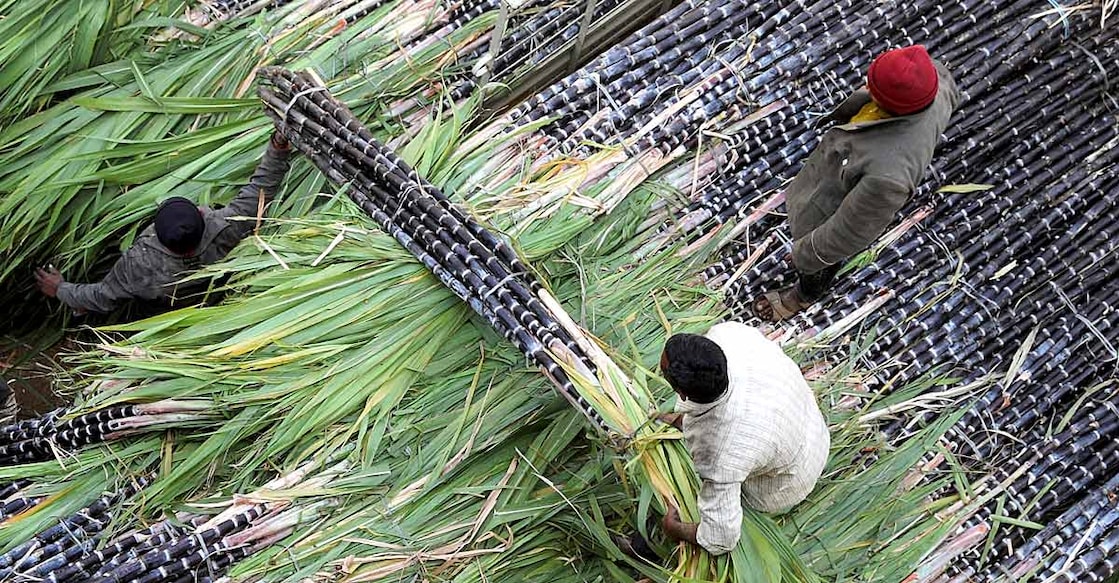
(696, 367)
(179, 225)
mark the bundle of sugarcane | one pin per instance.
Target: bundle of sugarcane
(1061, 467)
(205, 547)
(477, 265)
(61, 431)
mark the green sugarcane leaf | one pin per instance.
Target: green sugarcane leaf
(166, 22)
(186, 105)
(1017, 522)
(142, 83)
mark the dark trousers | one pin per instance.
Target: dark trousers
(812, 286)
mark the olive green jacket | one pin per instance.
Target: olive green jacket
(860, 175)
(150, 272)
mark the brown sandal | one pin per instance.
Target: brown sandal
(782, 304)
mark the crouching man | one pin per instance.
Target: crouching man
(751, 425)
(182, 239)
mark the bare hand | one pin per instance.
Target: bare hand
(677, 529)
(671, 519)
(48, 280)
(674, 419)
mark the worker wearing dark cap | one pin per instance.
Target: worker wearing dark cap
(863, 171)
(182, 238)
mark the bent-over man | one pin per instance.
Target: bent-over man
(183, 238)
(751, 425)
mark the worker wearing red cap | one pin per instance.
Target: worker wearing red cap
(862, 171)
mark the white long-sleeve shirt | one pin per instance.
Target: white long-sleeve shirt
(765, 437)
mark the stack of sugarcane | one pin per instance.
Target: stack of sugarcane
(65, 542)
(61, 431)
(186, 547)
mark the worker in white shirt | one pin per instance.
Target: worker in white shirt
(751, 425)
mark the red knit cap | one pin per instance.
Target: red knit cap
(903, 81)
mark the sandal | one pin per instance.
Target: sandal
(782, 304)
